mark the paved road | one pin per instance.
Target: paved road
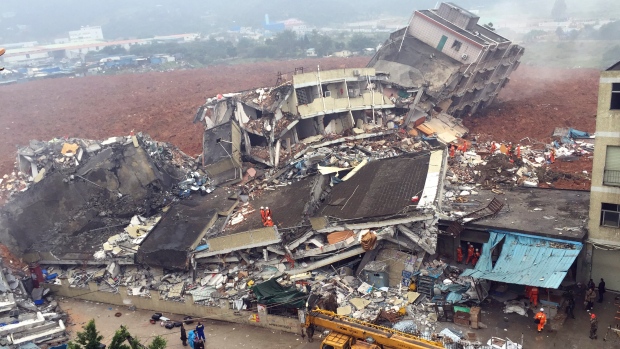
(572, 335)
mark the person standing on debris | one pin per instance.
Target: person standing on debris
(601, 290)
(540, 319)
(459, 255)
(552, 155)
(183, 336)
(268, 212)
(590, 297)
(493, 148)
(200, 331)
(534, 296)
(452, 150)
(518, 151)
(593, 326)
(263, 217)
(474, 261)
(470, 252)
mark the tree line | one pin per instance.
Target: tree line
(285, 44)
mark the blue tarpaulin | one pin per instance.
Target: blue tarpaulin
(572, 133)
(526, 260)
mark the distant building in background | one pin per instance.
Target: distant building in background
(86, 34)
(449, 61)
(604, 223)
(311, 52)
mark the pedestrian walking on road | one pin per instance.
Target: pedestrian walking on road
(593, 326)
(601, 290)
(183, 336)
(200, 331)
(540, 319)
(591, 284)
(590, 298)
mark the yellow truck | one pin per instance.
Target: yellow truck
(350, 333)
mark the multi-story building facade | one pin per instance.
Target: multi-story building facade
(86, 34)
(604, 223)
(451, 61)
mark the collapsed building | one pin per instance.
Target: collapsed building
(448, 61)
(352, 164)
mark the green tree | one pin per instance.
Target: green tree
(558, 12)
(359, 42)
(89, 339)
(287, 43)
(158, 343)
(122, 335)
(114, 50)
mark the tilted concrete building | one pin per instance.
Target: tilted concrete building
(448, 60)
(604, 224)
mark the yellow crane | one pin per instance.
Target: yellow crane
(350, 333)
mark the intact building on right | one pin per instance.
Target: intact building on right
(604, 223)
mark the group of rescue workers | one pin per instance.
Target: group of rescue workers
(265, 215)
(472, 254)
(513, 152)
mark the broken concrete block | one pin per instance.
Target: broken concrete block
(346, 310)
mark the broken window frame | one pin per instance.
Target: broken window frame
(614, 103)
(609, 213)
(456, 45)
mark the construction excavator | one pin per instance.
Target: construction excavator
(350, 333)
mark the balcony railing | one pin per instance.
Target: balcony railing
(611, 177)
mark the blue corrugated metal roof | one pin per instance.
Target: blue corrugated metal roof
(527, 260)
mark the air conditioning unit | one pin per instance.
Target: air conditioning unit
(356, 72)
(464, 57)
(328, 93)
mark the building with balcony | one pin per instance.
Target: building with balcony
(604, 223)
(455, 64)
(276, 122)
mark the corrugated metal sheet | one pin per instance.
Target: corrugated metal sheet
(529, 260)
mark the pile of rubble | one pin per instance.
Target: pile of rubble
(40, 159)
(492, 165)
(28, 312)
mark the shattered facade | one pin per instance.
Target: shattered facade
(448, 61)
(277, 122)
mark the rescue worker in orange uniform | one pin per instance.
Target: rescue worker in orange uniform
(268, 222)
(552, 155)
(465, 145)
(268, 213)
(528, 291)
(459, 255)
(452, 150)
(518, 151)
(534, 296)
(542, 319)
(470, 252)
(493, 147)
(263, 217)
(474, 261)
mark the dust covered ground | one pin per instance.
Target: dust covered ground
(163, 104)
(160, 104)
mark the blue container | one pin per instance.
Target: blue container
(51, 276)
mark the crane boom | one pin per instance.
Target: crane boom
(387, 337)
